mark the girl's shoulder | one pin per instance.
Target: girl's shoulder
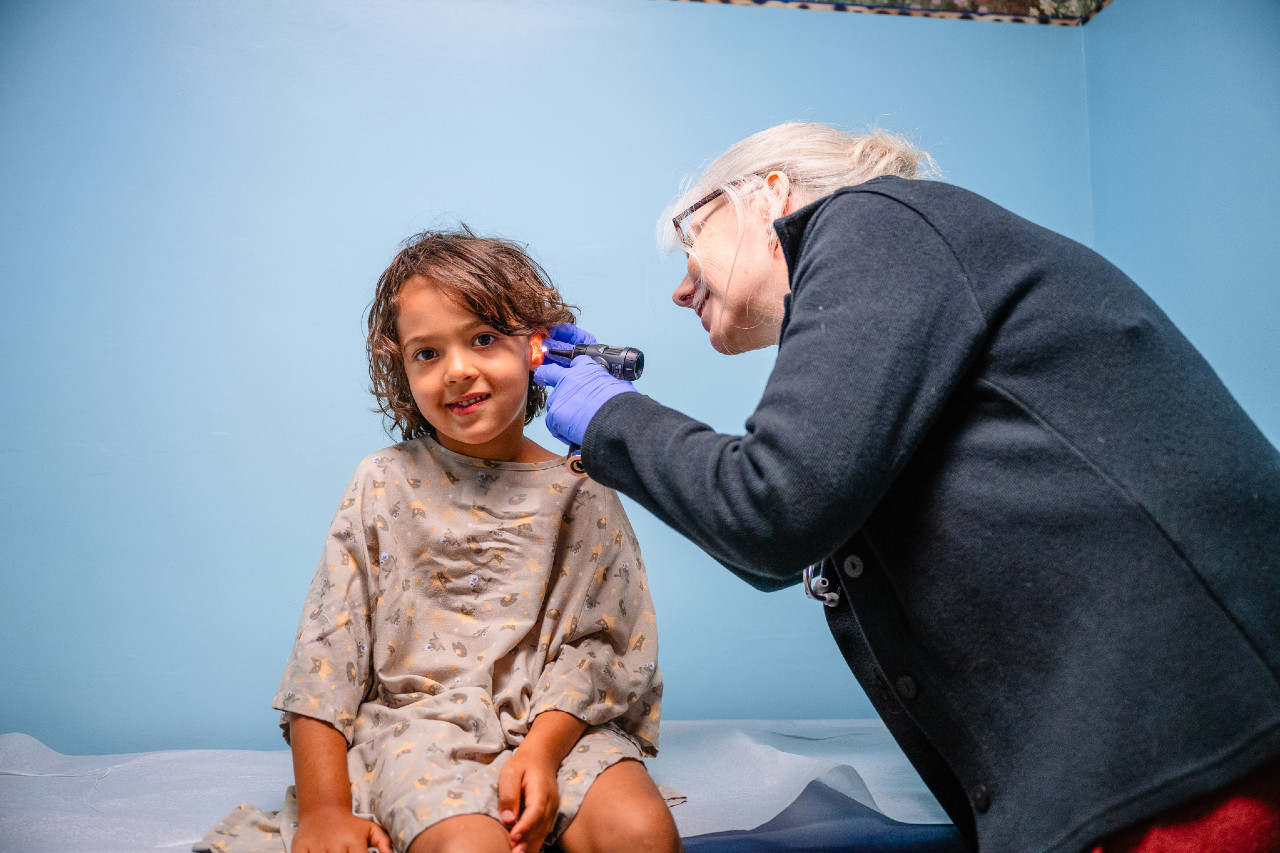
(391, 466)
(380, 461)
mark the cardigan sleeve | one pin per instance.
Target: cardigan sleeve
(882, 324)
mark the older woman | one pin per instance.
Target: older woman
(1047, 536)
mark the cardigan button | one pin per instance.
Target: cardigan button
(906, 687)
(853, 566)
(981, 798)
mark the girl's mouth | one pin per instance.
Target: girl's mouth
(466, 405)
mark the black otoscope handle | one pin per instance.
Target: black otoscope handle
(621, 362)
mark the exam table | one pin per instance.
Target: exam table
(736, 785)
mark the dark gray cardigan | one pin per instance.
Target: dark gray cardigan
(1057, 534)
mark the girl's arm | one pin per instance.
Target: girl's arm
(325, 821)
(530, 775)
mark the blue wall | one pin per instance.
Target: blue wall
(1184, 118)
(197, 198)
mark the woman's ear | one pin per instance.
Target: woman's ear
(780, 188)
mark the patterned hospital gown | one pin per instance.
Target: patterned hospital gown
(456, 599)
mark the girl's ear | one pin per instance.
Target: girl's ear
(536, 353)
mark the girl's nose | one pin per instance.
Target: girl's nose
(458, 367)
(684, 293)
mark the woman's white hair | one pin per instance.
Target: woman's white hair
(816, 158)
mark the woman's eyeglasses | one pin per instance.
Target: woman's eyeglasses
(684, 232)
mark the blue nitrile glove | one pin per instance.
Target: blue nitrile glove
(578, 392)
(571, 336)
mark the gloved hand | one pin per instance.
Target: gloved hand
(569, 335)
(578, 392)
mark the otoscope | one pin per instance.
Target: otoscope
(621, 362)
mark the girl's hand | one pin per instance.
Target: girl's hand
(325, 821)
(338, 831)
(528, 776)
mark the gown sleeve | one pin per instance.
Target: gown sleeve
(882, 323)
(329, 673)
(605, 665)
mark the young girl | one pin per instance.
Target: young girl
(476, 665)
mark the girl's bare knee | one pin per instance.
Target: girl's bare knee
(473, 833)
(623, 810)
(642, 827)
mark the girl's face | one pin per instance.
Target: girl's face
(734, 285)
(468, 380)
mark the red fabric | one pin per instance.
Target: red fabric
(1243, 817)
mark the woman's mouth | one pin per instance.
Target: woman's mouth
(704, 318)
(466, 405)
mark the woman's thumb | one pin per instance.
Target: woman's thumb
(549, 374)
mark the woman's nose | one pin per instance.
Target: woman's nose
(684, 293)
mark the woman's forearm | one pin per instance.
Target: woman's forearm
(319, 766)
(882, 329)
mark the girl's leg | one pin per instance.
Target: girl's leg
(622, 810)
(468, 833)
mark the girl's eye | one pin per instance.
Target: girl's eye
(484, 339)
(424, 355)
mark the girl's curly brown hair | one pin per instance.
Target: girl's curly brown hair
(492, 278)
